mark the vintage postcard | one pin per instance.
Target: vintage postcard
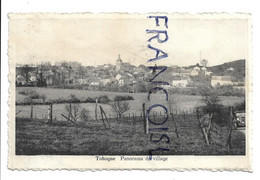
(130, 91)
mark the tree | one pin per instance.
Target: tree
(120, 107)
(204, 62)
(73, 111)
(84, 115)
(25, 71)
(210, 99)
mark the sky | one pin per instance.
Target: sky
(96, 39)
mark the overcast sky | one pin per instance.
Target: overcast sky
(98, 39)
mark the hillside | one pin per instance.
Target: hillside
(235, 69)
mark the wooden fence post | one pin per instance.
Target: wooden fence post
(105, 116)
(102, 117)
(50, 114)
(175, 124)
(133, 118)
(145, 120)
(96, 109)
(70, 109)
(31, 110)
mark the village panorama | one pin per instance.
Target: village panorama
(125, 77)
(89, 105)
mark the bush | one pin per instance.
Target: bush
(73, 99)
(73, 111)
(89, 100)
(23, 92)
(240, 106)
(84, 115)
(34, 95)
(27, 101)
(123, 98)
(43, 97)
(30, 93)
(220, 114)
(230, 91)
(103, 99)
(119, 107)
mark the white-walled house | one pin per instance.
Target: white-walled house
(20, 80)
(208, 73)
(194, 72)
(95, 82)
(180, 81)
(221, 80)
(119, 76)
(106, 80)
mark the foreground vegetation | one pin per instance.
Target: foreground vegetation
(37, 137)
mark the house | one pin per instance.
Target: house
(180, 81)
(194, 72)
(20, 80)
(204, 69)
(32, 76)
(95, 82)
(221, 80)
(230, 69)
(197, 68)
(121, 82)
(185, 72)
(119, 76)
(125, 79)
(81, 81)
(181, 72)
(138, 75)
(105, 79)
(50, 77)
(208, 73)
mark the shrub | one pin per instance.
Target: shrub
(123, 98)
(119, 107)
(103, 99)
(30, 93)
(220, 114)
(23, 92)
(73, 111)
(73, 99)
(84, 115)
(27, 101)
(210, 98)
(240, 106)
(43, 98)
(89, 100)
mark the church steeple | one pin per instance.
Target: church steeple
(118, 63)
(119, 59)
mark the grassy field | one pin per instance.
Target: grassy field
(36, 137)
(179, 103)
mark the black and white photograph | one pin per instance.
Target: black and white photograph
(135, 87)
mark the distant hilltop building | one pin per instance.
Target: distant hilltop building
(118, 63)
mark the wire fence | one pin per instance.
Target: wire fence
(41, 112)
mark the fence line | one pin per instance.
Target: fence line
(41, 112)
